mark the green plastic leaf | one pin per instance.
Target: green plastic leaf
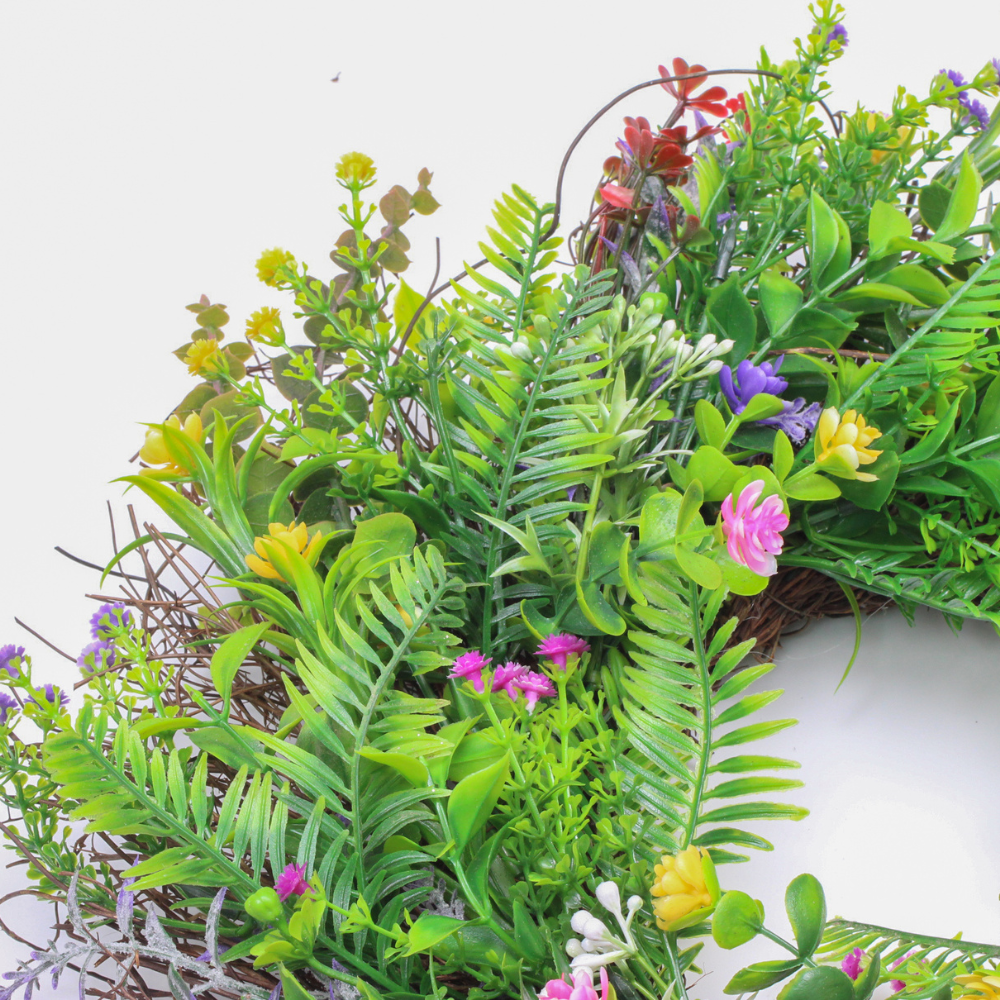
(812, 486)
(762, 406)
(393, 535)
(805, 905)
(597, 610)
(886, 223)
(933, 203)
(822, 983)
(864, 985)
(738, 578)
(473, 798)
(290, 986)
(736, 920)
(429, 930)
(714, 471)
(413, 770)
(731, 317)
(964, 202)
(229, 658)
(759, 976)
(658, 522)
(704, 571)
(710, 422)
(822, 233)
(876, 290)
(780, 299)
(782, 456)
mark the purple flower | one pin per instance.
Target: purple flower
(957, 80)
(292, 880)
(534, 685)
(8, 653)
(663, 373)
(839, 32)
(996, 68)
(976, 110)
(750, 379)
(7, 702)
(898, 984)
(108, 616)
(48, 694)
(851, 964)
(722, 218)
(797, 420)
(96, 656)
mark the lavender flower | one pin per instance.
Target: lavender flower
(957, 80)
(840, 32)
(748, 380)
(976, 110)
(48, 694)
(8, 653)
(96, 656)
(996, 68)
(7, 702)
(797, 420)
(108, 616)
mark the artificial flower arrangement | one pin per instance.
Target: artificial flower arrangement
(459, 706)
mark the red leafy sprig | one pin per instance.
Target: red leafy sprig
(708, 101)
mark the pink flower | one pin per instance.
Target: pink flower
(752, 535)
(558, 646)
(898, 984)
(582, 987)
(851, 965)
(534, 686)
(292, 880)
(505, 678)
(470, 665)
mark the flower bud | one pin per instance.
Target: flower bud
(595, 930)
(609, 897)
(711, 368)
(579, 920)
(574, 948)
(264, 905)
(634, 903)
(520, 349)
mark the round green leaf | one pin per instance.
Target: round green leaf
(806, 908)
(822, 983)
(736, 920)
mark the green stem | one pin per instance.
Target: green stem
(788, 946)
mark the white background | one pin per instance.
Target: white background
(152, 151)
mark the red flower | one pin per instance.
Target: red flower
(683, 90)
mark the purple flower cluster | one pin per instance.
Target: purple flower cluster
(797, 420)
(101, 652)
(976, 109)
(49, 694)
(839, 32)
(7, 703)
(8, 653)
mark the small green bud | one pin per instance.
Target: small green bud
(264, 905)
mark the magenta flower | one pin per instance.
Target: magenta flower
(470, 666)
(505, 678)
(851, 965)
(558, 646)
(898, 984)
(292, 880)
(582, 987)
(753, 534)
(534, 686)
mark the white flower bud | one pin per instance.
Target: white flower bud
(725, 347)
(574, 948)
(609, 897)
(669, 328)
(634, 903)
(595, 930)
(520, 349)
(579, 920)
(711, 368)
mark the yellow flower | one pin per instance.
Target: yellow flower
(155, 452)
(985, 982)
(294, 535)
(681, 886)
(204, 358)
(356, 168)
(841, 444)
(269, 263)
(264, 326)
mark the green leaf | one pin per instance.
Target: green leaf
(710, 422)
(933, 203)
(985, 476)
(864, 985)
(392, 535)
(738, 578)
(413, 770)
(964, 202)
(229, 658)
(782, 456)
(822, 233)
(780, 299)
(759, 976)
(597, 610)
(876, 290)
(430, 929)
(805, 905)
(929, 289)
(223, 743)
(731, 317)
(873, 496)
(290, 986)
(473, 798)
(762, 406)
(658, 522)
(704, 571)
(822, 983)
(930, 444)
(812, 486)
(736, 920)
(714, 471)
(886, 223)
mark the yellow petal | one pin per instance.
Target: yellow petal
(868, 455)
(829, 419)
(867, 477)
(848, 454)
(669, 884)
(689, 867)
(262, 568)
(674, 907)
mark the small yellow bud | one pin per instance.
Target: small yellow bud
(680, 886)
(156, 452)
